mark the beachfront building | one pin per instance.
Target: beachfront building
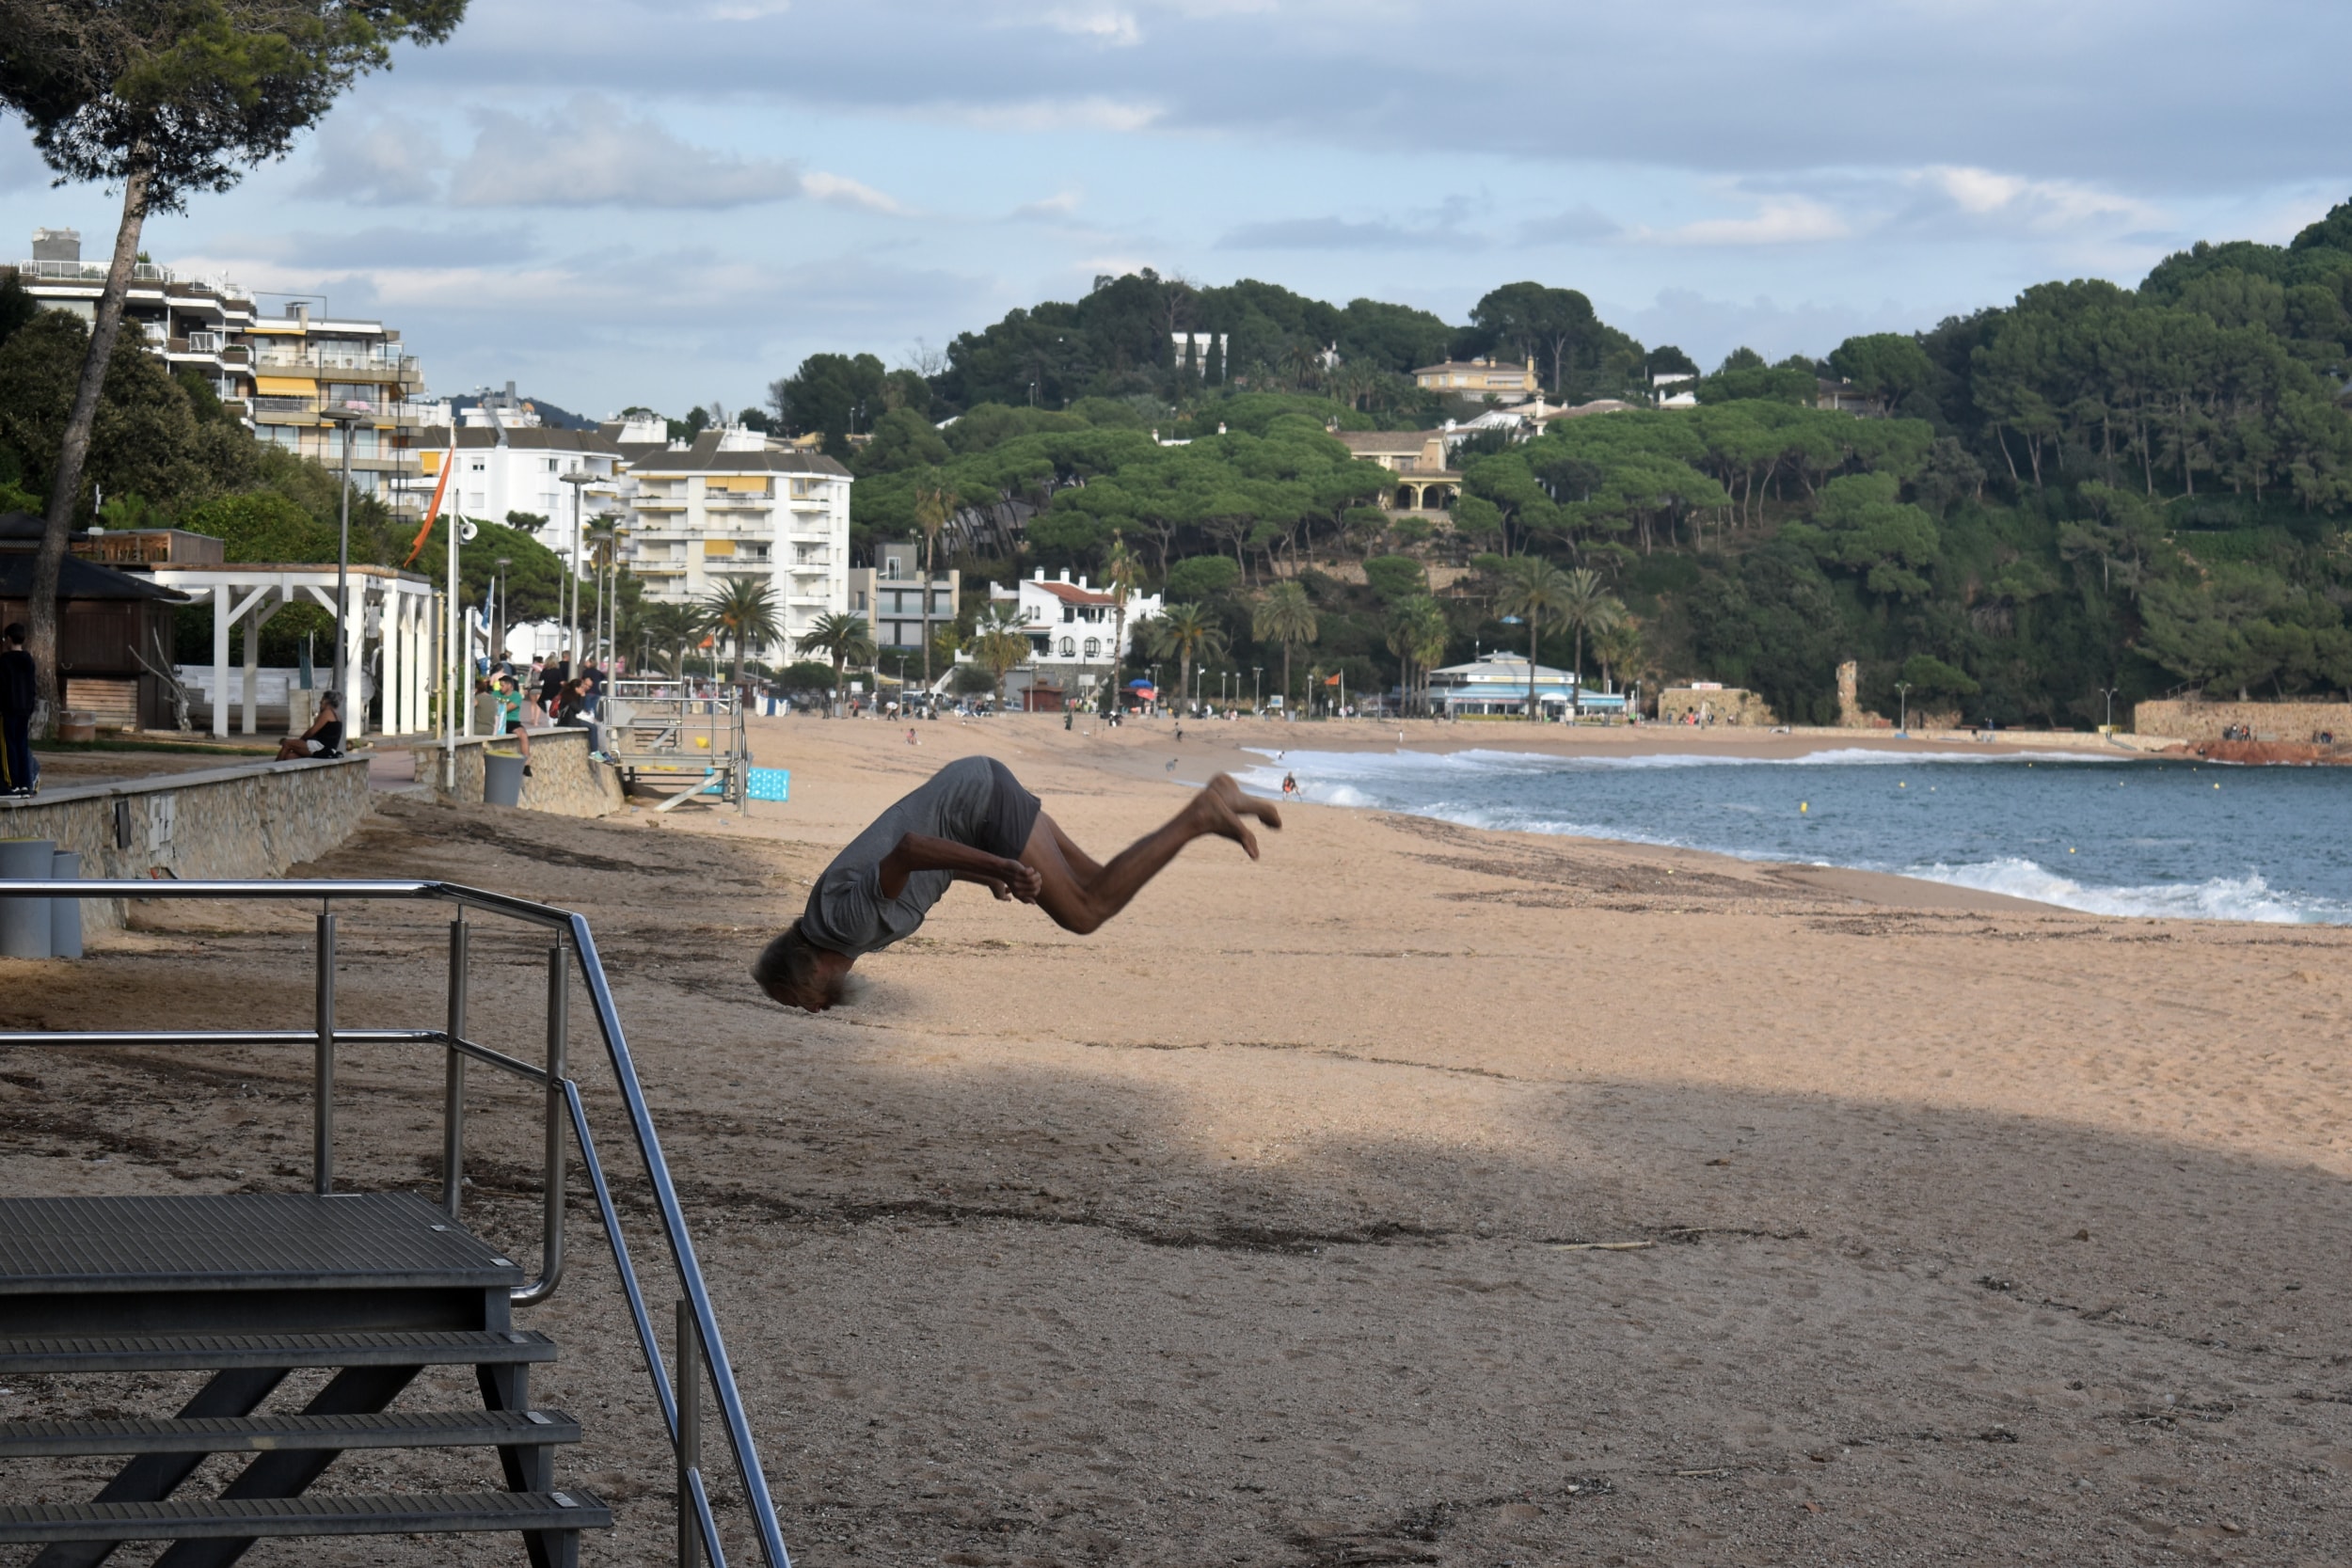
(277, 373)
(732, 504)
(1475, 380)
(890, 594)
(1072, 627)
(1494, 684)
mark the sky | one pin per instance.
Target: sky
(672, 202)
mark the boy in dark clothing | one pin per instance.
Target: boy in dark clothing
(974, 822)
(19, 692)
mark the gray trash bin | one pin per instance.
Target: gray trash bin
(502, 779)
(25, 922)
(65, 914)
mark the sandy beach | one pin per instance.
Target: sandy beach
(1413, 1194)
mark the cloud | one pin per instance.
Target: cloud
(1097, 113)
(389, 161)
(1331, 234)
(1576, 225)
(1060, 205)
(821, 186)
(1707, 328)
(745, 10)
(1103, 23)
(592, 152)
(1778, 220)
(382, 246)
(2045, 206)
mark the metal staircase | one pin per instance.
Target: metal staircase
(370, 1287)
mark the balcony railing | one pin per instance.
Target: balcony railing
(88, 272)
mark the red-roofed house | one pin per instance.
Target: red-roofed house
(1070, 625)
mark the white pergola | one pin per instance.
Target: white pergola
(396, 608)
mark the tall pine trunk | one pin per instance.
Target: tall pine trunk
(65, 489)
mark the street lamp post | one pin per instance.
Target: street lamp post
(1196, 676)
(347, 416)
(2108, 693)
(1902, 689)
(578, 479)
(1257, 689)
(503, 563)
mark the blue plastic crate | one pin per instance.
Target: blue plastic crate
(771, 783)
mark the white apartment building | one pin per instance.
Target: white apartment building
(731, 505)
(506, 461)
(275, 371)
(1070, 625)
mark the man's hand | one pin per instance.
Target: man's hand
(1019, 880)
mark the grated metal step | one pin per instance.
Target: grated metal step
(240, 1519)
(423, 1429)
(240, 1242)
(179, 1352)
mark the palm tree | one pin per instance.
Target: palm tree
(1118, 573)
(1587, 607)
(1285, 615)
(673, 628)
(743, 609)
(999, 641)
(1617, 647)
(932, 508)
(1185, 633)
(841, 637)
(1533, 587)
(1417, 634)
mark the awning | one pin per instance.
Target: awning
(285, 386)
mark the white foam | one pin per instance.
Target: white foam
(2246, 898)
(1481, 760)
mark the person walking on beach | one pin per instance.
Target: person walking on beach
(974, 822)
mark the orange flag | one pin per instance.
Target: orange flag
(447, 465)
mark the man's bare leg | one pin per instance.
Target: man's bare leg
(1080, 895)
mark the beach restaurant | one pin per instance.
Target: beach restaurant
(1494, 684)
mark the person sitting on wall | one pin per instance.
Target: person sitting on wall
(323, 739)
(510, 698)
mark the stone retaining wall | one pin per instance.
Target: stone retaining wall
(2200, 720)
(563, 779)
(249, 821)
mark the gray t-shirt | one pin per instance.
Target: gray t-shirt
(846, 912)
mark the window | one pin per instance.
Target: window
(1068, 647)
(1094, 647)
(1068, 613)
(551, 465)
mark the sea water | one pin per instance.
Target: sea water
(2122, 836)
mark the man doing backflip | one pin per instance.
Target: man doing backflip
(974, 822)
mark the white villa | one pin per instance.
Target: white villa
(1070, 625)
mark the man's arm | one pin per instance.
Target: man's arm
(922, 852)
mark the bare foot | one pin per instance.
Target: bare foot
(1224, 789)
(1222, 805)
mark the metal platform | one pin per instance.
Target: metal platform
(232, 1521)
(241, 1241)
(371, 1287)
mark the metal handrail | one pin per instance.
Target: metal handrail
(565, 1105)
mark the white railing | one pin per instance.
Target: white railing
(88, 272)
